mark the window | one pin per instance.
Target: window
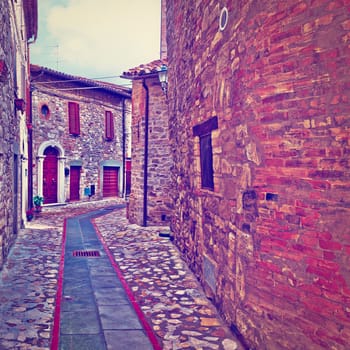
(74, 118)
(206, 151)
(206, 156)
(45, 111)
(109, 126)
(223, 18)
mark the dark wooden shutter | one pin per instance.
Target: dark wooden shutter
(109, 125)
(74, 118)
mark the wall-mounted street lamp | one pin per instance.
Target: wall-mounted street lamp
(163, 78)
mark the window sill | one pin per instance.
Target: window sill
(202, 192)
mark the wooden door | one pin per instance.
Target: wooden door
(15, 194)
(128, 177)
(110, 181)
(74, 186)
(50, 167)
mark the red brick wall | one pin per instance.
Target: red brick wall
(271, 243)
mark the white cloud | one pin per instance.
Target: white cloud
(99, 37)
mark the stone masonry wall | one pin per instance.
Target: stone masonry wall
(271, 243)
(8, 136)
(135, 210)
(90, 147)
(159, 159)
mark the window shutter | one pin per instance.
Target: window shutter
(74, 118)
(109, 125)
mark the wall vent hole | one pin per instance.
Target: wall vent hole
(272, 197)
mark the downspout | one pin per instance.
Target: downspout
(29, 122)
(145, 168)
(33, 14)
(123, 128)
(30, 150)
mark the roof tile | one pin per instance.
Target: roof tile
(145, 69)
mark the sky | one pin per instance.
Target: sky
(97, 39)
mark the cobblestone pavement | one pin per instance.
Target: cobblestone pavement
(167, 292)
(28, 280)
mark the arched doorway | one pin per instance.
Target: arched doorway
(50, 149)
(50, 175)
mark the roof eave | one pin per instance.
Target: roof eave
(119, 90)
(140, 76)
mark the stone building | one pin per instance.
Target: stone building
(259, 112)
(149, 201)
(18, 24)
(81, 137)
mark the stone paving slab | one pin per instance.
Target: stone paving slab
(118, 317)
(80, 322)
(89, 342)
(127, 340)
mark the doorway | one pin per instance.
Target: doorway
(110, 181)
(50, 167)
(74, 185)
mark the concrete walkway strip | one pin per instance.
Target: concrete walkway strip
(95, 309)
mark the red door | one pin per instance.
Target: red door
(74, 183)
(50, 175)
(110, 182)
(128, 177)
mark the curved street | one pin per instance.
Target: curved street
(49, 298)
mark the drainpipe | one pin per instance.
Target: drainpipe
(30, 149)
(145, 169)
(29, 123)
(123, 127)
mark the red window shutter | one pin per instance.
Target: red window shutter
(109, 125)
(74, 118)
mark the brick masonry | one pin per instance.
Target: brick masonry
(271, 243)
(90, 150)
(159, 159)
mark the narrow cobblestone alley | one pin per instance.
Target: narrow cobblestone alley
(165, 294)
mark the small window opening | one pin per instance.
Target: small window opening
(206, 157)
(204, 132)
(45, 111)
